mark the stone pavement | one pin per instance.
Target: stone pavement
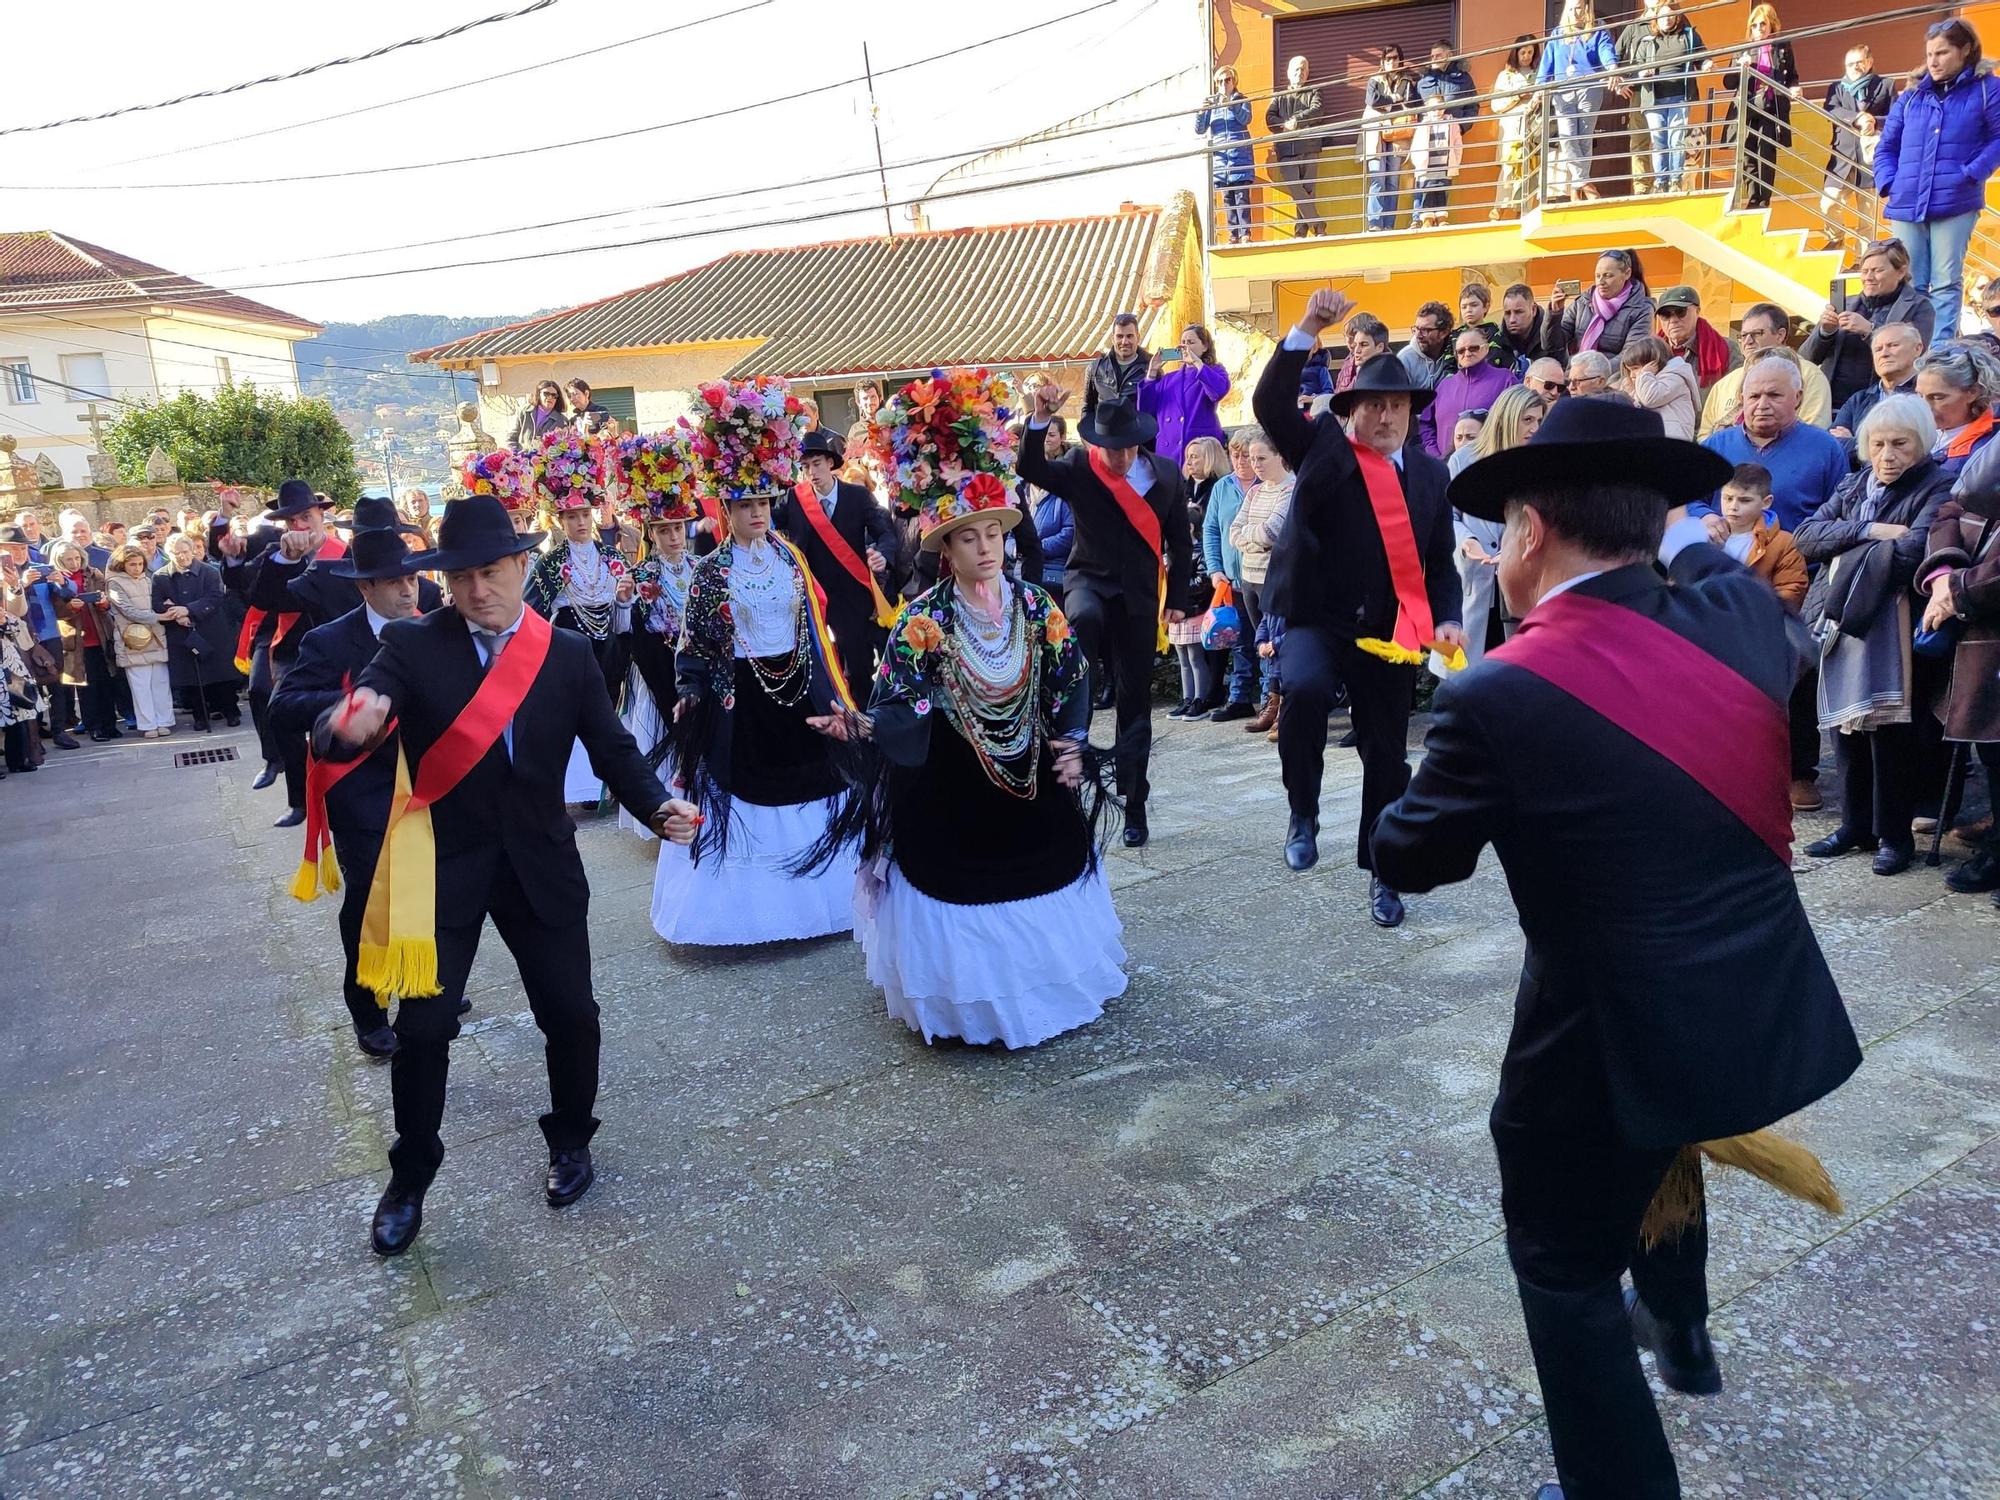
(1240, 1238)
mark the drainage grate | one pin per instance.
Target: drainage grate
(204, 757)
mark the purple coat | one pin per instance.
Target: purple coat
(1457, 394)
(1184, 400)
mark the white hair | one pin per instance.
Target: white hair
(1899, 413)
(1589, 364)
(1794, 376)
(69, 518)
(1908, 331)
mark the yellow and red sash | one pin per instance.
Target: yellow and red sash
(397, 956)
(318, 869)
(1415, 629)
(1140, 514)
(246, 638)
(843, 552)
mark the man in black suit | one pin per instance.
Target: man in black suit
(1130, 510)
(505, 846)
(1673, 991)
(330, 659)
(1333, 581)
(864, 547)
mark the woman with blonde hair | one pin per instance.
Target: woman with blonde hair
(1514, 417)
(1770, 82)
(139, 641)
(1204, 464)
(1579, 57)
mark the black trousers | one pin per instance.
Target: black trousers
(1878, 783)
(100, 702)
(1760, 161)
(1573, 1199)
(859, 642)
(1802, 721)
(357, 854)
(554, 964)
(1314, 663)
(614, 652)
(1127, 640)
(291, 747)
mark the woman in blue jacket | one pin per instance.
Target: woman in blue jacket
(1941, 143)
(1579, 55)
(1055, 528)
(1224, 118)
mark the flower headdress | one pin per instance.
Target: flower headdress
(744, 435)
(568, 471)
(656, 474)
(505, 475)
(950, 421)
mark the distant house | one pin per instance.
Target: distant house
(829, 316)
(80, 323)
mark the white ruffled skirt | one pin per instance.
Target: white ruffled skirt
(642, 720)
(747, 894)
(581, 785)
(1017, 972)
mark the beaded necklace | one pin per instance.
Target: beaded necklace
(787, 686)
(992, 681)
(590, 590)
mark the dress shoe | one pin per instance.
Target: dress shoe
(1805, 796)
(292, 818)
(232, 720)
(1979, 873)
(1104, 697)
(464, 1005)
(1350, 739)
(1839, 842)
(267, 776)
(1302, 842)
(1892, 859)
(1180, 709)
(105, 739)
(398, 1217)
(62, 739)
(1135, 830)
(381, 1042)
(1235, 708)
(1683, 1355)
(1549, 1492)
(1267, 717)
(570, 1176)
(1385, 907)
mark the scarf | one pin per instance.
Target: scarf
(1711, 354)
(1968, 436)
(1602, 310)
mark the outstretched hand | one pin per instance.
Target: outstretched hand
(359, 718)
(675, 821)
(843, 724)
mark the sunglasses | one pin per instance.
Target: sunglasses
(1477, 413)
(1560, 387)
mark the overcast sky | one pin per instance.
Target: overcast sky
(278, 242)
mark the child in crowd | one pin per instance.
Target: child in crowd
(1436, 151)
(1657, 377)
(1270, 638)
(1755, 540)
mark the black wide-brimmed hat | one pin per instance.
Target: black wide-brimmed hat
(1584, 442)
(476, 531)
(378, 513)
(1117, 424)
(824, 443)
(1381, 375)
(295, 498)
(14, 536)
(379, 552)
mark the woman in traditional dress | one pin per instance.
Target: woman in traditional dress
(981, 906)
(753, 665)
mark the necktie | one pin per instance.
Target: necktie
(492, 643)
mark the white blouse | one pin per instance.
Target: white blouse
(764, 601)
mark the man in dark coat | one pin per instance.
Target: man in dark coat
(331, 658)
(504, 845)
(1131, 515)
(1334, 583)
(1673, 991)
(1115, 374)
(862, 549)
(1293, 118)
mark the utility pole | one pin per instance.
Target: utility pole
(875, 124)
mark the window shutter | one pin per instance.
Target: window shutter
(620, 402)
(1345, 47)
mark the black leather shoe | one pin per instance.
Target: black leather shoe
(62, 739)
(464, 1005)
(1180, 709)
(1837, 843)
(1235, 708)
(1103, 698)
(292, 818)
(398, 1217)
(1549, 1492)
(1135, 831)
(381, 1042)
(267, 776)
(1979, 873)
(1349, 740)
(1385, 907)
(570, 1176)
(1683, 1356)
(1891, 860)
(1302, 842)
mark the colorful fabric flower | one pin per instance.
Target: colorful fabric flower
(743, 437)
(922, 633)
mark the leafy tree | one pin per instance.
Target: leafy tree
(240, 435)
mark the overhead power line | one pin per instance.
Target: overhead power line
(237, 88)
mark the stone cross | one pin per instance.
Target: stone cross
(96, 421)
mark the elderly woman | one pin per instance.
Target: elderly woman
(1840, 342)
(1869, 538)
(1474, 385)
(1254, 534)
(1516, 416)
(1590, 374)
(1770, 79)
(1617, 307)
(139, 641)
(1961, 384)
(189, 598)
(83, 620)
(1959, 584)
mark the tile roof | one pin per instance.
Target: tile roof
(44, 271)
(998, 294)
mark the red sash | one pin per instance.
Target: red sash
(843, 553)
(318, 869)
(1414, 629)
(1143, 521)
(1672, 697)
(482, 721)
(331, 548)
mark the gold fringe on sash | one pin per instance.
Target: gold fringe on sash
(397, 955)
(1764, 1154)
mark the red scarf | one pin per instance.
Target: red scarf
(1643, 677)
(843, 553)
(1711, 354)
(1143, 521)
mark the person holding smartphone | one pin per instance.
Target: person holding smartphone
(1182, 399)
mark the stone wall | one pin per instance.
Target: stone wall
(126, 502)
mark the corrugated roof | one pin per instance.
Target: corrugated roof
(991, 295)
(44, 271)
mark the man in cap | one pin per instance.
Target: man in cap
(349, 801)
(1709, 354)
(1362, 576)
(1128, 565)
(485, 700)
(1673, 991)
(849, 543)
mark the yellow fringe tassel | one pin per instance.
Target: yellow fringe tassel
(405, 968)
(1389, 651)
(1764, 1154)
(305, 881)
(242, 664)
(329, 869)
